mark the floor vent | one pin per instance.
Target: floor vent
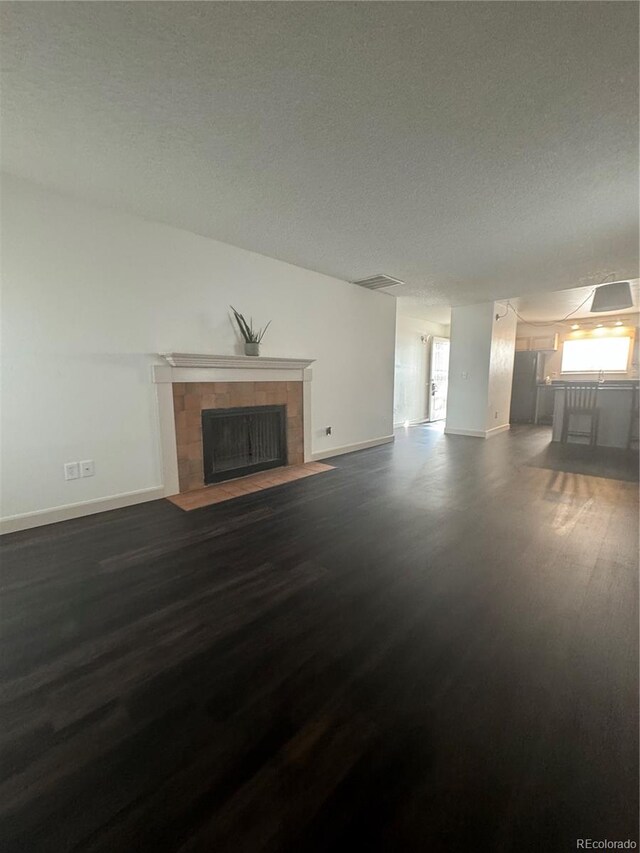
(378, 282)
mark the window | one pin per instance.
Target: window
(591, 355)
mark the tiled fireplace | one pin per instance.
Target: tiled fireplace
(194, 389)
(191, 400)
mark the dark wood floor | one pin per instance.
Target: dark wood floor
(431, 648)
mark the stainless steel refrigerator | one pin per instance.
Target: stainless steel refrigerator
(527, 375)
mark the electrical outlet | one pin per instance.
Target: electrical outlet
(87, 468)
(71, 470)
(464, 375)
(495, 416)
(328, 431)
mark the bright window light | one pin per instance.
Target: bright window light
(591, 355)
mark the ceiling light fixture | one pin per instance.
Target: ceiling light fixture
(612, 297)
(618, 322)
(576, 326)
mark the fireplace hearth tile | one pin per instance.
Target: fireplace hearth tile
(231, 489)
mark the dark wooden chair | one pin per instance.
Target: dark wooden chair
(580, 402)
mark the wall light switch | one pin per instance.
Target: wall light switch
(464, 374)
(71, 470)
(87, 468)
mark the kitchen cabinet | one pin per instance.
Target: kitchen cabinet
(546, 343)
(538, 343)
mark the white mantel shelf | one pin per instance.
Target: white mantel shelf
(189, 359)
(204, 367)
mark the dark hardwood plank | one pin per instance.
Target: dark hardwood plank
(433, 646)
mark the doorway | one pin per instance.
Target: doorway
(438, 378)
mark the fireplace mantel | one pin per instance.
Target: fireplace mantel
(181, 367)
(189, 359)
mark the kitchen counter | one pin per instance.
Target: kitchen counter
(616, 383)
(615, 401)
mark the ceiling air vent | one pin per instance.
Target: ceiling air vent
(378, 282)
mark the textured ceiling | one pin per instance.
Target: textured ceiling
(577, 302)
(546, 307)
(474, 150)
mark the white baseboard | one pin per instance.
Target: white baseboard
(26, 520)
(350, 448)
(497, 430)
(477, 433)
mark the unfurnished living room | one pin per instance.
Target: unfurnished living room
(319, 472)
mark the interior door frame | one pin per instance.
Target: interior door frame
(434, 339)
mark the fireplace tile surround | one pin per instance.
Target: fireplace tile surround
(190, 399)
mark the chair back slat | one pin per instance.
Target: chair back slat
(582, 396)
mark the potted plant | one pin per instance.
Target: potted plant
(252, 337)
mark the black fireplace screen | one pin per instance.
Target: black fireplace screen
(239, 441)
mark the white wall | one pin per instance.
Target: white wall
(469, 357)
(412, 367)
(480, 369)
(90, 296)
(503, 340)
